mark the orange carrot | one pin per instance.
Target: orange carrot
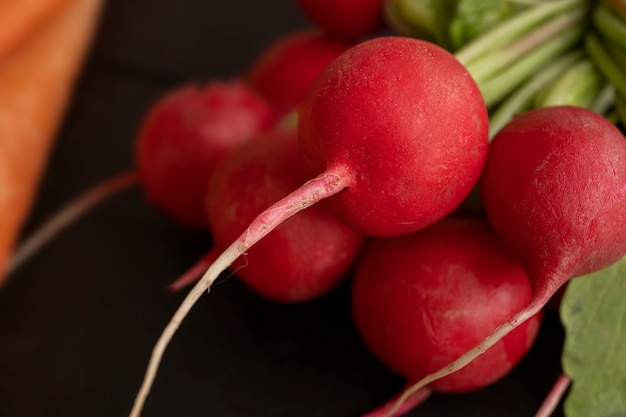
(35, 86)
(21, 18)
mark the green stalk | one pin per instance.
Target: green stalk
(498, 87)
(605, 100)
(609, 24)
(521, 98)
(620, 110)
(515, 28)
(618, 53)
(605, 63)
(578, 86)
(411, 18)
(491, 63)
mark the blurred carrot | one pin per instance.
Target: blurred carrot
(35, 86)
(21, 18)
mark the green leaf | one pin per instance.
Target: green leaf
(594, 356)
(475, 17)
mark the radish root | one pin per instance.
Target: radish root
(69, 214)
(501, 331)
(324, 186)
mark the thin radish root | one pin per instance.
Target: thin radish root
(554, 396)
(68, 215)
(411, 402)
(533, 308)
(194, 273)
(324, 186)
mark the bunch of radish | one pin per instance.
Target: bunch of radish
(384, 138)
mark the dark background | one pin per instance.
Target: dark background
(78, 322)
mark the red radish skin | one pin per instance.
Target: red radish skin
(285, 70)
(420, 300)
(554, 188)
(303, 258)
(345, 18)
(186, 133)
(382, 120)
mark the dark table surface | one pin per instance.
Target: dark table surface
(78, 321)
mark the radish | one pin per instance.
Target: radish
(303, 258)
(346, 18)
(398, 130)
(554, 188)
(285, 70)
(184, 136)
(421, 300)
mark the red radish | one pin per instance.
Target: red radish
(554, 188)
(398, 130)
(181, 139)
(304, 257)
(347, 18)
(286, 69)
(421, 300)
(184, 136)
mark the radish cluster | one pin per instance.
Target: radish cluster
(392, 137)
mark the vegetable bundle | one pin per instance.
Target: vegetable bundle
(459, 172)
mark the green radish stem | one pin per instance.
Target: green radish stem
(578, 86)
(324, 186)
(520, 99)
(410, 18)
(514, 28)
(485, 67)
(68, 215)
(554, 396)
(604, 100)
(609, 24)
(498, 87)
(606, 64)
(534, 307)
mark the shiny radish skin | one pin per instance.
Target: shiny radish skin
(285, 70)
(407, 122)
(421, 300)
(427, 118)
(184, 135)
(554, 189)
(301, 259)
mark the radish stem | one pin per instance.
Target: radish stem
(554, 396)
(69, 214)
(411, 402)
(324, 186)
(505, 328)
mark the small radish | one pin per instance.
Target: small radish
(421, 300)
(398, 130)
(285, 70)
(554, 189)
(346, 18)
(304, 257)
(184, 136)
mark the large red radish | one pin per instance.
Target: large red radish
(301, 259)
(285, 70)
(396, 129)
(421, 300)
(554, 189)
